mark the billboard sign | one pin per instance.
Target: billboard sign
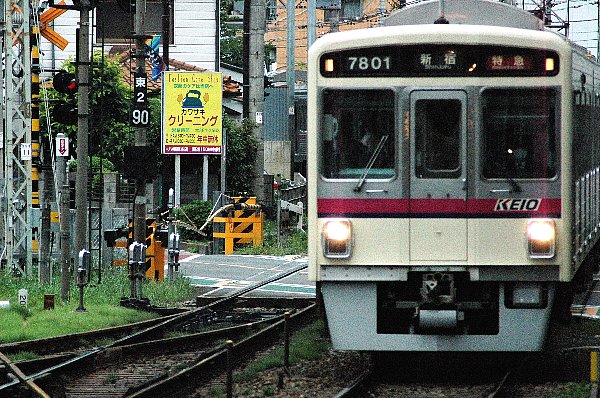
(192, 113)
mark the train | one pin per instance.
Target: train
(453, 179)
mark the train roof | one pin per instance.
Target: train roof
(466, 12)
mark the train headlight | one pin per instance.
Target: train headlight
(541, 237)
(337, 238)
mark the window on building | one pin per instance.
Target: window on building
(114, 25)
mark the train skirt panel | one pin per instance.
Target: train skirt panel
(368, 316)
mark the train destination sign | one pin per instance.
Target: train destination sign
(439, 61)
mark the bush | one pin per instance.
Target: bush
(242, 148)
(195, 214)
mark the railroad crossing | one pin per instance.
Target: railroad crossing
(218, 275)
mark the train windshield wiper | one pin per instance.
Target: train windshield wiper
(508, 169)
(370, 163)
(514, 185)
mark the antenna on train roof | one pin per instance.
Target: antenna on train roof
(442, 18)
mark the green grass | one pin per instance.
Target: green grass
(24, 356)
(305, 345)
(573, 390)
(100, 300)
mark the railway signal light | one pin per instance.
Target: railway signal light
(65, 113)
(65, 82)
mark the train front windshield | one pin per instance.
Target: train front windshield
(518, 129)
(358, 134)
(519, 133)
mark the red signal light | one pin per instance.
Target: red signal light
(65, 82)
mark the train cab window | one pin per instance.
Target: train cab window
(437, 138)
(519, 133)
(358, 134)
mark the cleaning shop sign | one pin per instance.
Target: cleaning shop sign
(192, 113)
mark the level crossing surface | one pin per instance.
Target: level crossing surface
(219, 275)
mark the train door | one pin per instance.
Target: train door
(438, 189)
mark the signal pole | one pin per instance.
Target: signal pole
(83, 76)
(139, 222)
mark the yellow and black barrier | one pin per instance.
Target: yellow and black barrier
(243, 224)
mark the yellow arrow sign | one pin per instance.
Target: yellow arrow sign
(45, 18)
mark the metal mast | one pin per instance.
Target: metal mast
(17, 187)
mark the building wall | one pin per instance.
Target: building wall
(277, 28)
(194, 35)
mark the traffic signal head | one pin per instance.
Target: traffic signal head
(65, 82)
(65, 113)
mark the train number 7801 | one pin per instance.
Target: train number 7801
(369, 63)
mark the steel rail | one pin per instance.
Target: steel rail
(353, 388)
(22, 377)
(162, 344)
(174, 320)
(215, 360)
(500, 387)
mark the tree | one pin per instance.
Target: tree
(241, 154)
(110, 100)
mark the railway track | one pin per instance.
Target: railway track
(537, 375)
(165, 367)
(357, 387)
(152, 359)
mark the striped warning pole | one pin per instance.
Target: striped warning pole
(35, 130)
(594, 373)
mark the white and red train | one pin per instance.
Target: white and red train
(454, 171)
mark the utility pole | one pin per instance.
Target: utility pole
(65, 227)
(254, 84)
(334, 20)
(139, 222)
(311, 35)
(291, 69)
(83, 77)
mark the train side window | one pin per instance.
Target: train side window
(519, 133)
(358, 135)
(437, 134)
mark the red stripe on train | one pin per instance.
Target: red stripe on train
(533, 206)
